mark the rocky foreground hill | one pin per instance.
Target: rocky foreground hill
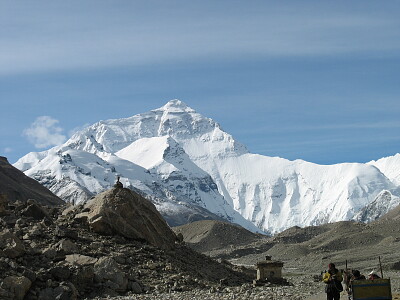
(50, 252)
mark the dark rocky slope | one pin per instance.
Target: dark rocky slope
(15, 185)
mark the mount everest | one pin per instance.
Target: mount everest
(191, 169)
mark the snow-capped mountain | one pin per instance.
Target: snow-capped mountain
(382, 204)
(185, 161)
(390, 166)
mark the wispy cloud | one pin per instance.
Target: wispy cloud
(45, 132)
(8, 150)
(40, 38)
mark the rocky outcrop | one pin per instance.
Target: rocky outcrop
(123, 212)
(15, 185)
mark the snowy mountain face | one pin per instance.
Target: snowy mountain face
(382, 204)
(190, 168)
(390, 166)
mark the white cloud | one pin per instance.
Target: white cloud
(44, 132)
(8, 150)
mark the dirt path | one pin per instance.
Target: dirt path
(343, 296)
(320, 296)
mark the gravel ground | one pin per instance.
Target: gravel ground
(303, 288)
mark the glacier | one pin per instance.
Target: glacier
(192, 169)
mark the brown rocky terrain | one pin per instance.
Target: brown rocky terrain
(307, 251)
(358, 243)
(209, 235)
(63, 253)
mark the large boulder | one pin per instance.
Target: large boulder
(123, 212)
(11, 245)
(35, 211)
(106, 270)
(80, 260)
(16, 286)
(67, 246)
(65, 291)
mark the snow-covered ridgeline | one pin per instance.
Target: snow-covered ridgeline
(390, 166)
(175, 155)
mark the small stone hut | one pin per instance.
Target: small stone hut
(269, 270)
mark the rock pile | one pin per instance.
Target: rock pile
(58, 253)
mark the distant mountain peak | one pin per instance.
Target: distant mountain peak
(176, 105)
(184, 161)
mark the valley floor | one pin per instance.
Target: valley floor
(304, 288)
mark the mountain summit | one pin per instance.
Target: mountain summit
(192, 169)
(176, 106)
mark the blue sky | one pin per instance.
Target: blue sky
(312, 80)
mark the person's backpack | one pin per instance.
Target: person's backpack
(334, 286)
(338, 285)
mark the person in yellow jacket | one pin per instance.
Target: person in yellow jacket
(333, 279)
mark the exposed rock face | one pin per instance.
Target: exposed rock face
(123, 212)
(15, 185)
(394, 214)
(384, 203)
